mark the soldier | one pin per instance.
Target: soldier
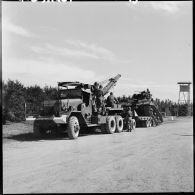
(99, 98)
(148, 95)
(128, 118)
(111, 100)
(142, 95)
(95, 87)
(94, 90)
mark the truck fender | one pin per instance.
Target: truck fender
(80, 117)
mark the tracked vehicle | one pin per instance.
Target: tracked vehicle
(145, 112)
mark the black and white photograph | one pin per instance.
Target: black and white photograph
(97, 96)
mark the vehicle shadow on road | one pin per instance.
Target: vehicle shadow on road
(183, 134)
(31, 137)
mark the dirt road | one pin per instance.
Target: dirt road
(155, 159)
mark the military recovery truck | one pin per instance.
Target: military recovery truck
(75, 110)
(144, 110)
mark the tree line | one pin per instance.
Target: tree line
(15, 96)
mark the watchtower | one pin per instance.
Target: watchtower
(184, 95)
(184, 92)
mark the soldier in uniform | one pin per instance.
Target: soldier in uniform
(94, 90)
(128, 118)
(148, 95)
(111, 100)
(143, 94)
(99, 99)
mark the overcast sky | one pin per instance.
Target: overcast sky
(149, 44)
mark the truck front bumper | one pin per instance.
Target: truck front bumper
(58, 120)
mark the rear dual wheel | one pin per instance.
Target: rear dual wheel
(119, 124)
(110, 125)
(147, 123)
(114, 124)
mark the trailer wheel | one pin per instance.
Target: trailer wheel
(147, 124)
(153, 123)
(119, 124)
(38, 131)
(73, 127)
(150, 123)
(110, 125)
(133, 125)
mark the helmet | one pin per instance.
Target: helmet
(128, 108)
(96, 84)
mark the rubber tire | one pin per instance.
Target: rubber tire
(72, 124)
(110, 125)
(153, 124)
(38, 131)
(119, 124)
(150, 123)
(134, 125)
(147, 124)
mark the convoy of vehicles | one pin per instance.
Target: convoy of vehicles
(75, 110)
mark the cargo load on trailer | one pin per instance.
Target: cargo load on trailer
(146, 113)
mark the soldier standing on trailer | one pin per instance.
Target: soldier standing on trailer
(111, 100)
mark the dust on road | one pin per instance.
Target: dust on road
(155, 159)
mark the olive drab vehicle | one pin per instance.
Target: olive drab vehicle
(75, 109)
(146, 113)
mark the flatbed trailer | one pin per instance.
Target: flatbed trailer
(143, 121)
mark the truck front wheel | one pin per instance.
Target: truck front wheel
(73, 127)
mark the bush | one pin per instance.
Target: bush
(183, 110)
(13, 101)
(34, 97)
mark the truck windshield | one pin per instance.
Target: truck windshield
(70, 94)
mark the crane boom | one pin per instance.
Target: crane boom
(111, 83)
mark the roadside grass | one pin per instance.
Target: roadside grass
(11, 129)
(24, 132)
